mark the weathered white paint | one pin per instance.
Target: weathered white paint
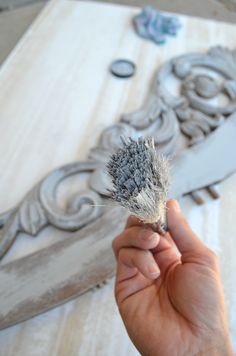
(56, 96)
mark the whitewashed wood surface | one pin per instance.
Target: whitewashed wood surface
(56, 96)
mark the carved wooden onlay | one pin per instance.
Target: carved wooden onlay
(202, 108)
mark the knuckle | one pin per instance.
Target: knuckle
(125, 256)
(122, 254)
(211, 257)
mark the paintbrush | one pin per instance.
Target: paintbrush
(141, 179)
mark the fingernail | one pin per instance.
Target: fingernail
(176, 206)
(148, 235)
(154, 271)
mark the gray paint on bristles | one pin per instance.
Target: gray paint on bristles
(141, 179)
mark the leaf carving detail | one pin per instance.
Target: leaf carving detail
(224, 57)
(31, 213)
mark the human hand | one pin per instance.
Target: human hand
(171, 302)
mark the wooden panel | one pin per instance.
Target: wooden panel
(56, 95)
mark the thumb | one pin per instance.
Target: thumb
(182, 234)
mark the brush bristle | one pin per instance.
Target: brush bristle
(141, 180)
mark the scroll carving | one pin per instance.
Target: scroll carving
(40, 208)
(203, 79)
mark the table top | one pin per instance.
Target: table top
(56, 96)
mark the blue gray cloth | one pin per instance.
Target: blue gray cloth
(151, 24)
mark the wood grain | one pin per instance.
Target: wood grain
(57, 274)
(56, 96)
